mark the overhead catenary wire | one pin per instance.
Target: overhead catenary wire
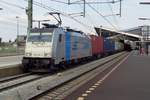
(59, 1)
(63, 13)
(55, 10)
(6, 20)
(11, 4)
(91, 2)
(102, 16)
(7, 8)
(11, 19)
(114, 17)
(91, 20)
(96, 11)
(7, 23)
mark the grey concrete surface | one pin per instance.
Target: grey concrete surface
(130, 81)
(10, 60)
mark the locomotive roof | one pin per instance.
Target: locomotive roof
(42, 30)
(72, 30)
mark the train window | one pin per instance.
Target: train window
(60, 36)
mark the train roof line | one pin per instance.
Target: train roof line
(72, 30)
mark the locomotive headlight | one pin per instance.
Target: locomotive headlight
(47, 54)
(28, 54)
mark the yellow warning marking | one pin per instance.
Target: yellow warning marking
(88, 91)
(91, 89)
(94, 86)
(80, 98)
(99, 82)
(84, 95)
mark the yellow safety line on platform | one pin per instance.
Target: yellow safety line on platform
(84, 95)
(92, 88)
(80, 98)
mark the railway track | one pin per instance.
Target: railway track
(13, 77)
(56, 85)
(18, 80)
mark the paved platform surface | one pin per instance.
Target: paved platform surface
(129, 81)
(10, 60)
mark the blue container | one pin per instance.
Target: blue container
(109, 46)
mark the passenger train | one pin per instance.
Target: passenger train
(51, 47)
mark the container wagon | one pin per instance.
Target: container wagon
(109, 46)
(97, 43)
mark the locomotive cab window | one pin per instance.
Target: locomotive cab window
(40, 37)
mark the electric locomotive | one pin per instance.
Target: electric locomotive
(50, 47)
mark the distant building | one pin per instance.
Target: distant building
(143, 31)
(144, 42)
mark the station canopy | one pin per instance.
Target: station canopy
(112, 33)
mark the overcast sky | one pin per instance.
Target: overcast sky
(131, 11)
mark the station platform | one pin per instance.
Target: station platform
(10, 65)
(128, 80)
(10, 60)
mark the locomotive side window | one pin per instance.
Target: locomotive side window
(60, 37)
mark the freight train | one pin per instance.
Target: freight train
(51, 47)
